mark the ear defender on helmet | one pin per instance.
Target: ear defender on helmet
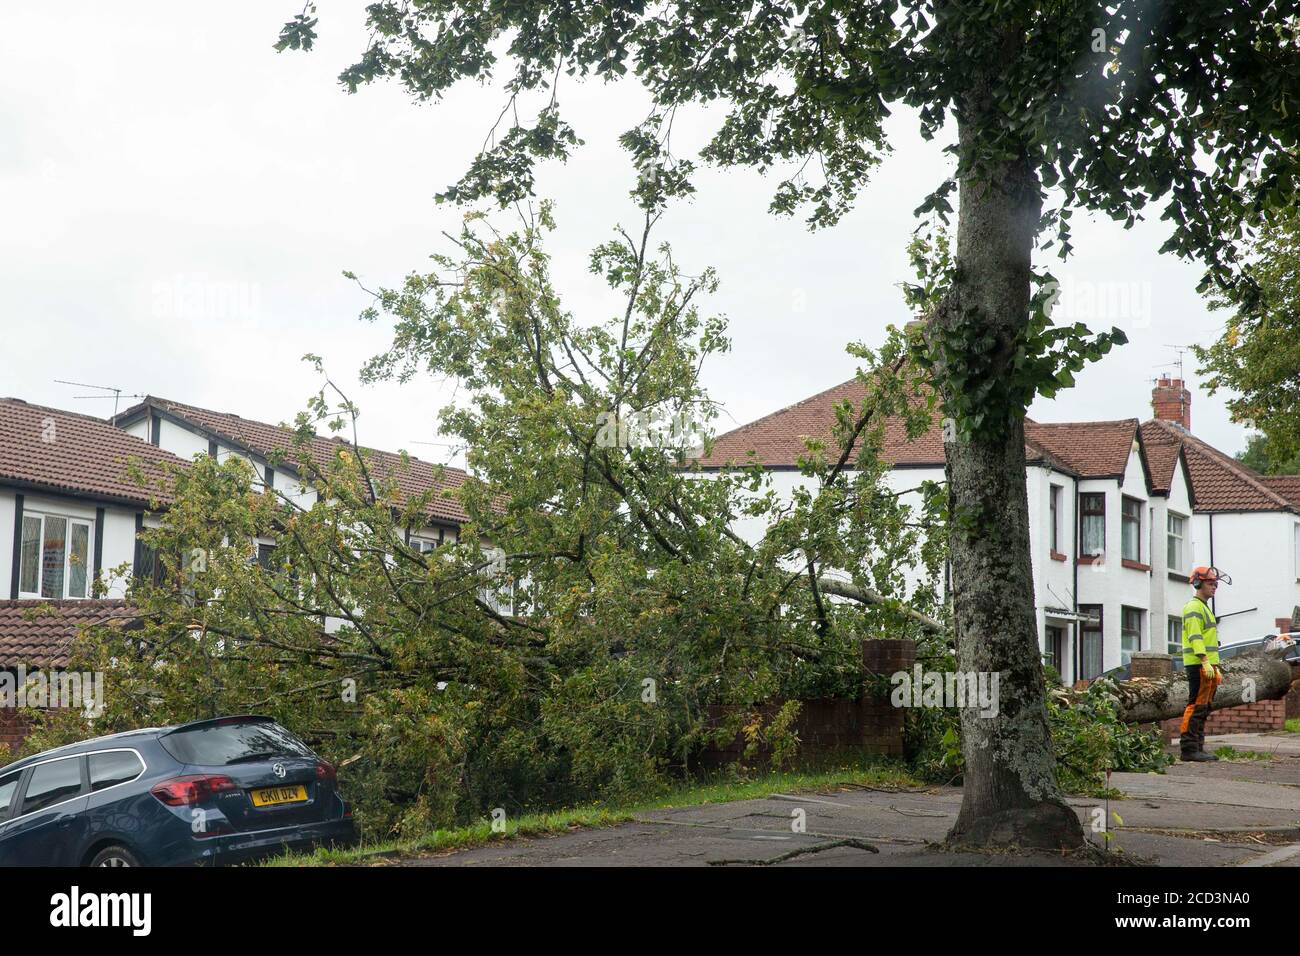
(1202, 574)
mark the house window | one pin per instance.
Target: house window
(424, 545)
(1130, 633)
(266, 556)
(1131, 528)
(149, 565)
(1054, 643)
(1174, 636)
(54, 561)
(1090, 632)
(1092, 524)
(1174, 541)
(1054, 507)
(499, 594)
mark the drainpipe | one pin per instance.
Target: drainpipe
(1078, 633)
(1212, 605)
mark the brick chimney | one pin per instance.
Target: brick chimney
(1171, 401)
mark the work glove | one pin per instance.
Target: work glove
(1207, 670)
(1218, 674)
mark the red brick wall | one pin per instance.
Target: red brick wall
(1247, 718)
(868, 725)
(14, 725)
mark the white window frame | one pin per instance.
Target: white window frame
(1180, 537)
(1124, 519)
(1297, 552)
(1054, 493)
(500, 595)
(39, 593)
(1084, 517)
(1174, 635)
(424, 544)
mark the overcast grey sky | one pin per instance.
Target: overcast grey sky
(179, 202)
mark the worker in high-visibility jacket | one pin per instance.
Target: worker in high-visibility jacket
(1200, 661)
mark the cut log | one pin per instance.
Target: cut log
(1246, 679)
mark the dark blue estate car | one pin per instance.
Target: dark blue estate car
(214, 791)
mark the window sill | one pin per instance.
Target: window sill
(1182, 578)
(1135, 565)
(1088, 559)
(1057, 556)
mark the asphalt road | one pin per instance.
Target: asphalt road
(1230, 813)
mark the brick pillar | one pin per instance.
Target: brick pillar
(888, 656)
(1152, 664)
(881, 722)
(1156, 665)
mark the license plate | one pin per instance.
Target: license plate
(274, 796)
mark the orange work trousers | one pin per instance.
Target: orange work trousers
(1200, 692)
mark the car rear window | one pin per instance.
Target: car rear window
(218, 745)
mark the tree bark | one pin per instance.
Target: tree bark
(1010, 795)
(847, 589)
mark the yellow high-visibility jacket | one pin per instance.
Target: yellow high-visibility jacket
(1200, 633)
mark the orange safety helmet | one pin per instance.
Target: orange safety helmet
(1202, 574)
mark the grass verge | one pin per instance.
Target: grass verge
(1231, 753)
(1293, 725)
(880, 773)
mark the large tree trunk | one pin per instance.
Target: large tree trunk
(1246, 679)
(1010, 796)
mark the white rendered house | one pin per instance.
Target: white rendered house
(1119, 513)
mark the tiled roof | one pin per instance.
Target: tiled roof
(776, 440)
(1219, 481)
(1090, 449)
(1161, 447)
(65, 452)
(1288, 486)
(40, 633)
(263, 439)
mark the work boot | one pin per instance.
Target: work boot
(1199, 756)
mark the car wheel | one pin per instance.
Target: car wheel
(115, 856)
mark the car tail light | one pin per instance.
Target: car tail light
(325, 771)
(187, 791)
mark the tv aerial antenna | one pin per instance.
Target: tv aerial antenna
(115, 393)
(1180, 351)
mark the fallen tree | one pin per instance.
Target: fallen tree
(1246, 679)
